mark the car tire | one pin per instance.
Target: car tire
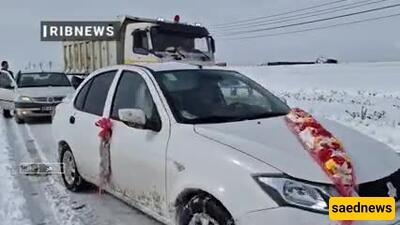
(69, 172)
(7, 113)
(203, 209)
(18, 119)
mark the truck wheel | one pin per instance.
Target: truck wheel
(18, 119)
(69, 172)
(7, 113)
(204, 210)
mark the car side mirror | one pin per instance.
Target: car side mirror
(133, 117)
(212, 45)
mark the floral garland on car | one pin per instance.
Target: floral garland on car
(104, 149)
(325, 149)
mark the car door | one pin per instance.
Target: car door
(7, 90)
(89, 107)
(138, 154)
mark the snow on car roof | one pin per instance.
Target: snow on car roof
(157, 67)
(168, 66)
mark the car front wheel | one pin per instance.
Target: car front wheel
(69, 172)
(18, 119)
(204, 210)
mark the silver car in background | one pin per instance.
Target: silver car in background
(38, 93)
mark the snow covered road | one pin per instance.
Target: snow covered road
(43, 199)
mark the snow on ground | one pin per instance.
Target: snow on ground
(12, 201)
(364, 96)
(43, 200)
(79, 208)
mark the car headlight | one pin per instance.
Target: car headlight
(24, 99)
(289, 192)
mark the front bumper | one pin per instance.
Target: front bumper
(24, 110)
(294, 216)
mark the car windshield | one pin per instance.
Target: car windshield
(42, 80)
(169, 41)
(217, 96)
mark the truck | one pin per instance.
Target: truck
(142, 41)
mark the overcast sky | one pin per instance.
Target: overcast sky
(372, 41)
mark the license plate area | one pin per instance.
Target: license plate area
(47, 108)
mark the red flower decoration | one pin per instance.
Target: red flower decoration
(339, 160)
(324, 154)
(105, 125)
(325, 149)
(321, 132)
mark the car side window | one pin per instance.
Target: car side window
(140, 42)
(132, 92)
(81, 97)
(97, 92)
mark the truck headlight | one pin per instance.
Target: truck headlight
(24, 99)
(289, 192)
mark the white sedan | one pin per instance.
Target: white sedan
(193, 145)
(33, 94)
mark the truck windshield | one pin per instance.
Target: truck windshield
(42, 80)
(164, 40)
(216, 96)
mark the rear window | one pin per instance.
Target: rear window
(43, 80)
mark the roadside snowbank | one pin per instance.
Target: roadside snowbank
(12, 201)
(364, 96)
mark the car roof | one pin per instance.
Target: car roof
(157, 67)
(167, 66)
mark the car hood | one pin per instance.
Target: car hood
(45, 91)
(271, 141)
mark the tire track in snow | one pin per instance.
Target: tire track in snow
(99, 210)
(12, 202)
(66, 210)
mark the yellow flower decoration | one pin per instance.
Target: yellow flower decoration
(331, 166)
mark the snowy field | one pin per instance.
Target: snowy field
(364, 96)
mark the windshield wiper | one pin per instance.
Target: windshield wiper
(175, 50)
(179, 52)
(263, 115)
(204, 54)
(156, 53)
(215, 119)
(225, 119)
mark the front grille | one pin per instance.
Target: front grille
(40, 99)
(386, 187)
(46, 99)
(41, 111)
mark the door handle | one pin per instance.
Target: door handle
(72, 119)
